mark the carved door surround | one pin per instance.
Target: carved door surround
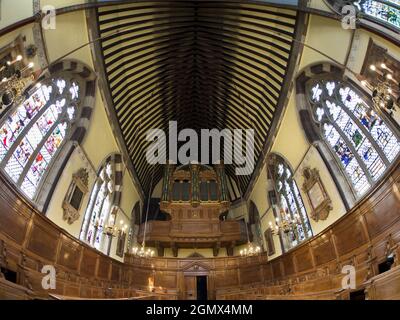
(188, 275)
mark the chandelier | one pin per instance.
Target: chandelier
(14, 82)
(286, 223)
(250, 250)
(386, 93)
(141, 250)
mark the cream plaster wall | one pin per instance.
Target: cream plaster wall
(99, 141)
(12, 11)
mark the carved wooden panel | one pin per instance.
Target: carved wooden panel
(104, 267)
(14, 215)
(250, 275)
(349, 235)
(323, 250)
(89, 261)
(383, 214)
(115, 272)
(70, 253)
(166, 280)
(276, 269)
(43, 241)
(303, 259)
(288, 265)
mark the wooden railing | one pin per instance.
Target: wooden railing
(363, 238)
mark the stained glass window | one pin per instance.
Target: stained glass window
(361, 141)
(384, 10)
(33, 132)
(97, 216)
(292, 215)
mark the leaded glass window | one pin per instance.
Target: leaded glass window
(97, 216)
(32, 133)
(361, 141)
(383, 10)
(292, 216)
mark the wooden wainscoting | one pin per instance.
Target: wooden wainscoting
(363, 238)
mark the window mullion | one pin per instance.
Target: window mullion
(35, 153)
(23, 134)
(90, 209)
(97, 216)
(298, 208)
(367, 135)
(354, 151)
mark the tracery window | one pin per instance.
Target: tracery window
(384, 10)
(361, 141)
(98, 214)
(291, 216)
(32, 133)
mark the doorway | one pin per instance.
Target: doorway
(196, 288)
(201, 288)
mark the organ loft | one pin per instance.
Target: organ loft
(195, 201)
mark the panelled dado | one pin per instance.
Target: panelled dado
(28, 241)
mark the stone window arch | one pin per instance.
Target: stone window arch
(356, 143)
(103, 204)
(384, 12)
(290, 214)
(39, 135)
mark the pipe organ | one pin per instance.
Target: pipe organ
(195, 198)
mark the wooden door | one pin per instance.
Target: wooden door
(190, 288)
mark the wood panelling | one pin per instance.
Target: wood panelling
(303, 259)
(349, 235)
(323, 249)
(104, 267)
(89, 262)
(383, 213)
(43, 241)
(311, 270)
(70, 254)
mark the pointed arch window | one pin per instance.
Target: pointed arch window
(363, 144)
(100, 216)
(32, 133)
(98, 212)
(291, 215)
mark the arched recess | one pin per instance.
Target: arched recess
(356, 143)
(39, 135)
(103, 204)
(287, 203)
(135, 223)
(255, 225)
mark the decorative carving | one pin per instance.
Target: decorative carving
(77, 190)
(317, 196)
